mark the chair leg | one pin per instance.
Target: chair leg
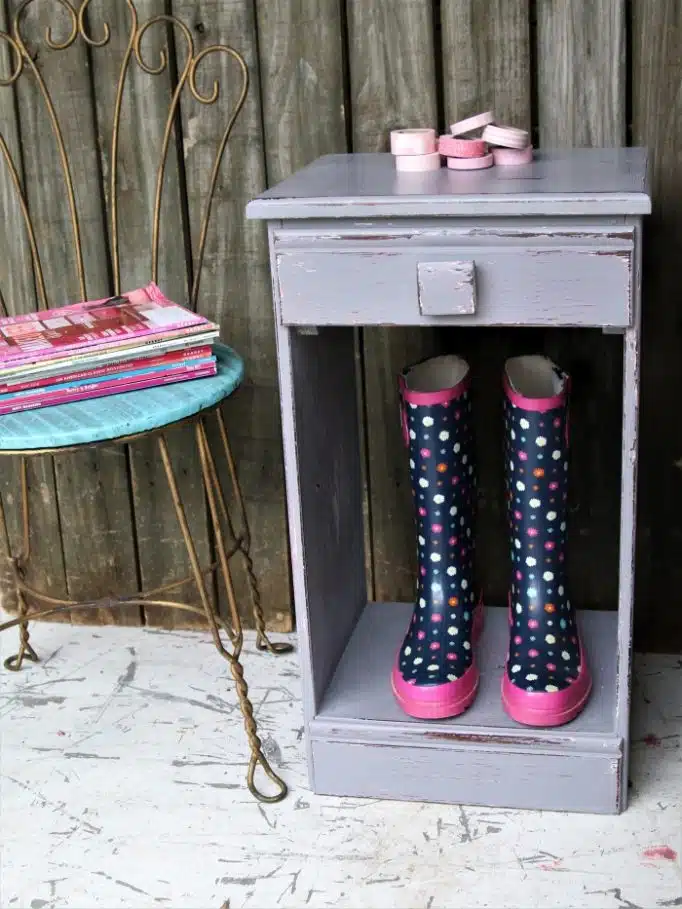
(257, 757)
(262, 640)
(26, 651)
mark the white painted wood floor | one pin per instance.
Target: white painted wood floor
(122, 762)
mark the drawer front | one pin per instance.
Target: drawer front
(487, 285)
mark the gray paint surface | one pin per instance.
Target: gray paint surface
(587, 181)
(579, 265)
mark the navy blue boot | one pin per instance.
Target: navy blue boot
(435, 673)
(547, 681)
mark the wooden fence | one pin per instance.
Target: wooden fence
(332, 76)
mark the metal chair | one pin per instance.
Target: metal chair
(140, 414)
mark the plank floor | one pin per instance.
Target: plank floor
(122, 761)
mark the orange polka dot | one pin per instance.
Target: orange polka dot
(453, 601)
(539, 472)
(441, 468)
(550, 607)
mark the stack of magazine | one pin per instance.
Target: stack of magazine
(102, 347)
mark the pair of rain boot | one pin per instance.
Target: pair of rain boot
(546, 681)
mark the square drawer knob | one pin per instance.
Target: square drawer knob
(446, 288)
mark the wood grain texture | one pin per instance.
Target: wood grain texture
(93, 488)
(657, 122)
(393, 85)
(45, 570)
(161, 553)
(581, 102)
(486, 60)
(300, 59)
(581, 73)
(235, 284)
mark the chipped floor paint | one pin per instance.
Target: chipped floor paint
(122, 765)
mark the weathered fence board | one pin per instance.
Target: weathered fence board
(393, 84)
(657, 122)
(582, 101)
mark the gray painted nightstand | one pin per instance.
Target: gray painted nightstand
(554, 243)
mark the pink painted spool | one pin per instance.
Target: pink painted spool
(478, 121)
(505, 136)
(480, 163)
(513, 157)
(461, 148)
(413, 141)
(417, 163)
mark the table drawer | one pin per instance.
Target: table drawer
(543, 284)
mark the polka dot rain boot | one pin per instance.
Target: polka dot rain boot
(546, 681)
(435, 673)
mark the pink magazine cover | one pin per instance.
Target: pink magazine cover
(103, 389)
(139, 315)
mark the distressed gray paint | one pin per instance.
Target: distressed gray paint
(585, 181)
(446, 288)
(580, 265)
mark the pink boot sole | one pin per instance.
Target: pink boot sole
(547, 708)
(438, 702)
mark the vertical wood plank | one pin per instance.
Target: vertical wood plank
(93, 488)
(582, 101)
(657, 123)
(486, 66)
(162, 556)
(393, 84)
(235, 283)
(45, 570)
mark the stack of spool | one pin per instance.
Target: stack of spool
(472, 144)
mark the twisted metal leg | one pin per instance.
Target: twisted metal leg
(19, 562)
(257, 757)
(262, 640)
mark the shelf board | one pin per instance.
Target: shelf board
(359, 704)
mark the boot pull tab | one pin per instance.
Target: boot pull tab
(566, 379)
(402, 385)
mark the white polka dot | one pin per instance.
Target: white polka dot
(513, 434)
(464, 459)
(556, 454)
(423, 483)
(562, 526)
(541, 441)
(551, 515)
(452, 678)
(516, 668)
(520, 486)
(465, 584)
(456, 447)
(530, 561)
(466, 645)
(519, 608)
(417, 660)
(551, 688)
(413, 406)
(560, 591)
(453, 630)
(444, 435)
(548, 576)
(531, 677)
(535, 503)
(439, 499)
(511, 465)
(435, 557)
(523, 423)
(407, 651)
(413, 434)
(421, 541)
(432, 668)
(453, 511)
(565, 655)
(411, 463)
(422, 602)
(517, 544)
(428, 421)
(452, 571)
(531, 592)
(550, 639)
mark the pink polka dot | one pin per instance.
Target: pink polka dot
(425, 452)
(519, 576)
(421, 635)
(452, 541)
(533, 653)
(549, 545)
(533, 623)
(523, 456)
(554, 485)
(455, 481)
(422, 571)
(532, 532)
(556, 423)
(434, 646)
(422, 511)
(518, 515)
(411, 681)
(437, 528)
(458, 414)
(551, 667)
(436, 617)
(451, 656)
(518, 639)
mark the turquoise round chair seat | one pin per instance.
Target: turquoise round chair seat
(128, 414)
